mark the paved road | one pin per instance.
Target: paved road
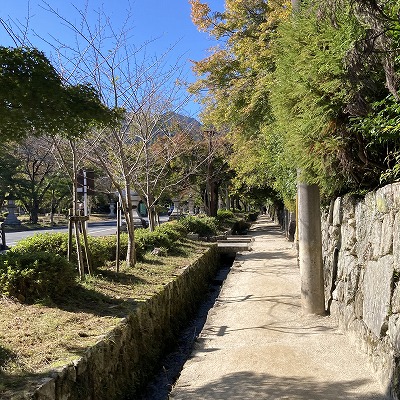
(102, 228)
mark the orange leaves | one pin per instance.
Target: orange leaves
(200, 14)
(234, 80)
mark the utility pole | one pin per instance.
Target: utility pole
(310, 249)
(310, 241)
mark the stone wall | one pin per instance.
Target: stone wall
(119, 364)
(361, 250)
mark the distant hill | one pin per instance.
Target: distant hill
(172, 120)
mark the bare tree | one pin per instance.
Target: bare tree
(142, 151)
(169, 158)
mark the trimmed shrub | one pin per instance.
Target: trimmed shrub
(252, 217)
(148, 240)
(49, 242)
(173, 229)
(35, 275)
(203, 225)
(103, 249)
(224, 215)
(240, 227)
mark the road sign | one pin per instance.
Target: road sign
(88, 176)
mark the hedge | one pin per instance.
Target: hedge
(37, 267)
(35, 275)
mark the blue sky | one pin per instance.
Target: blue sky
(165, 23)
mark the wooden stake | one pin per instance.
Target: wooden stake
(118, 237)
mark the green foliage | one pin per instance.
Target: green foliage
(103, 249)
(225, 215)
(31, 276)
(252, 216)
(202, 225)
(30, 173)
(237, 79)
(392, 174)
(236, 75)
(306, 93)
(29, 94)
(225, 219)
(173, 229)
(309, 102)
(240, 227)
(82, 109)
(382, 124)
(9, 162)
(35, 101)
(380, 131)
(333, 115)
(279, 165)
(148, 240)
(44, 242)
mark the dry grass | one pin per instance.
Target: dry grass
(37, 338)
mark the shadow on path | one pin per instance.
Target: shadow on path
(285, 329)
(286, 300)
(249, 386)
(285, 254)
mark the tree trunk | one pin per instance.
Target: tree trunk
(128, 211)
(151, 211)
(237, 202)
(152, 218)
(213, 199)
(52, 208)
(34, 213)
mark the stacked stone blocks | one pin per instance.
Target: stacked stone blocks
(122, 362)
(361, 251)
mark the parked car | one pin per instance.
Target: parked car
(139, 222)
